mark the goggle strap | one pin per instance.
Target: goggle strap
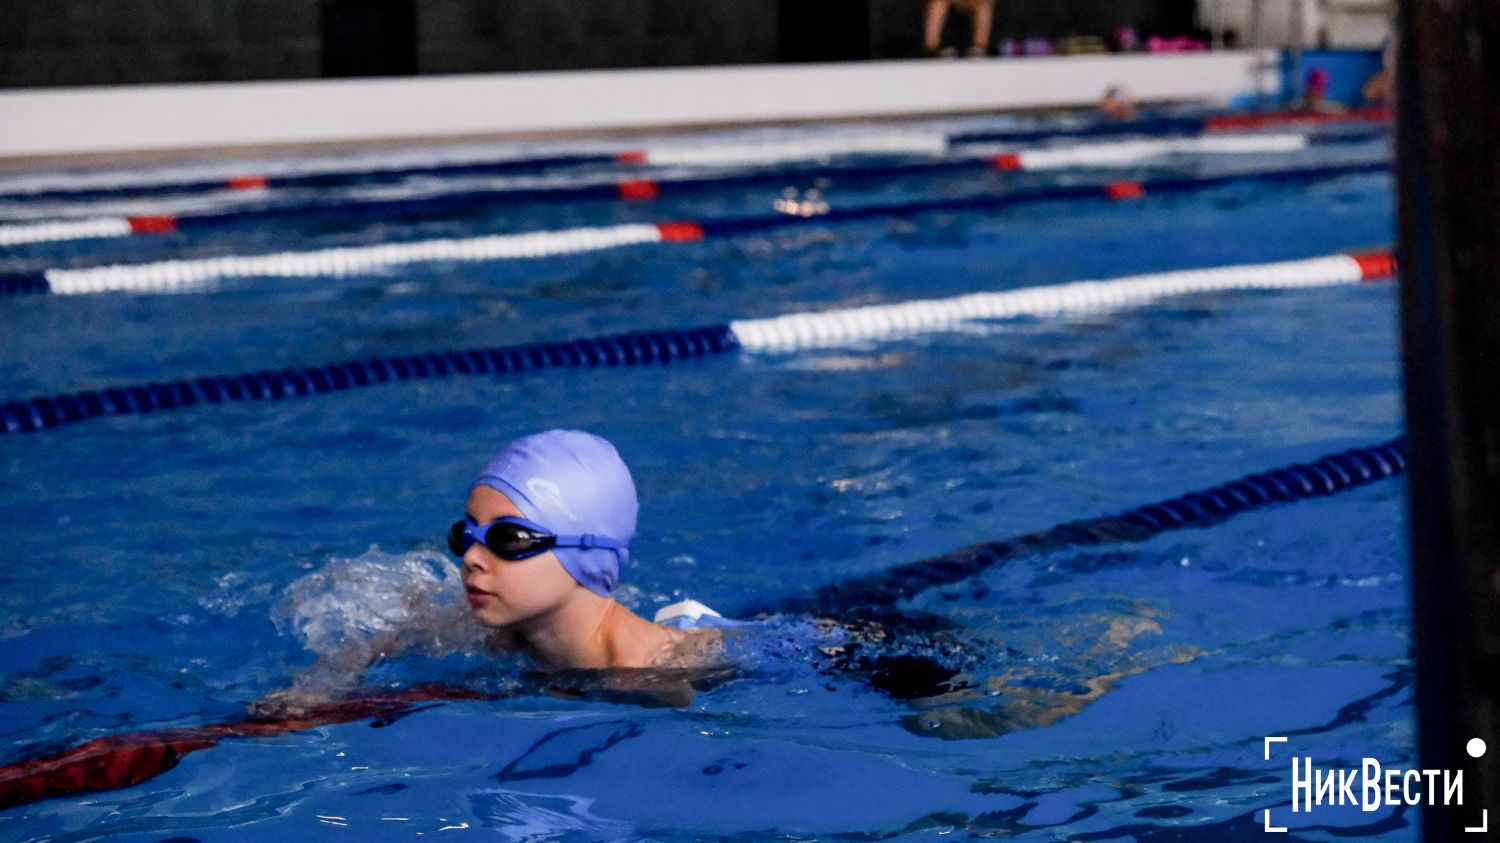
(588, 540)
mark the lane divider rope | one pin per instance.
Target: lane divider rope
(1101, 155)
(122, 760)
(56, 230)
(1328, 475)
(192, 274)
(1260, 120)
(783, 333)
(799, 149)
(99, 189)
(1121, 153)
(849, 326)
(1167, 125)
(891, 142)
(187, 275)
(130, 758)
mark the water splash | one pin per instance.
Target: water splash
(353, 603)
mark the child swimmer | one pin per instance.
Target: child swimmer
(548, 525)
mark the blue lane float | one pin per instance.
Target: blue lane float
(632, 349)
(781, 334)
(1328, 475)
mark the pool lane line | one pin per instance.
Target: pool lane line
(889, 142)
(320, 179)
(193, 275)
(124, 760)
(1261, 120)
(1185, 125)
(90, 228)
(1328, 475)
(1113, 154)
(117, 761)
(848, 326)
(851, 326)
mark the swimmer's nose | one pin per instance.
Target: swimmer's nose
(474, 559)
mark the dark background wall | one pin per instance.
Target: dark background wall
(95, 42)
(468, 36)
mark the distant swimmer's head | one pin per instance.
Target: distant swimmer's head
(565, 513)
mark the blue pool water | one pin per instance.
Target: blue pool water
(165, 570)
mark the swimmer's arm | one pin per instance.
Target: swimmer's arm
(658, 693)
(1023, 708)
(697, 655)
(325, 680)
(1025, 705)
(697, 659)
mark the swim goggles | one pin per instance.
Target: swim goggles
(515, 539)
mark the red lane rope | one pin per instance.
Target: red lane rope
(123, 760)
(1232, 122)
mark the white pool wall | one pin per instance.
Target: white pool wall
(75, 122)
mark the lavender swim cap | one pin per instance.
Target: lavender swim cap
(571, 482)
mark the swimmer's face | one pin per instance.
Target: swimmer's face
(503, 593)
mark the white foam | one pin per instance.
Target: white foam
(349, 603)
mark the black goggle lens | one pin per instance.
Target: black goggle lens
(508, 541)
(456, 539)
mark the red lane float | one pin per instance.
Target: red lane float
(679, 232)
(248, 183)
(639, 190)
(152, 224)
(1376, 265)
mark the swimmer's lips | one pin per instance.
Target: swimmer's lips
(477, 596)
